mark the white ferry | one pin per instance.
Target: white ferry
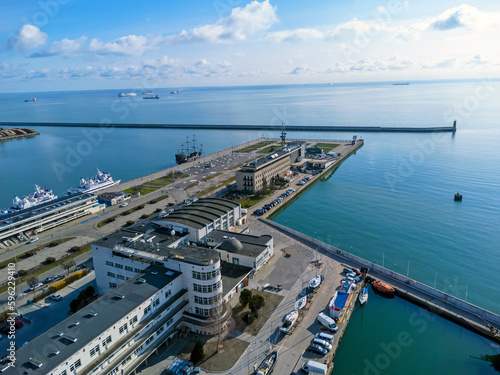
(130, 93)
(39, 196)
(102, 180)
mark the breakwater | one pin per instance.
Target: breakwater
(268, 127)
(465, 314)
(16, 133)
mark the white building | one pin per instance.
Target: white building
(202, 217)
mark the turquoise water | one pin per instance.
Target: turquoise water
(393, 336)
(391, 203)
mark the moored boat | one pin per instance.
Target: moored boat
(383, 288)
(100, 181)
(289, 322)
(363, 296)
(315, 282)
(301, 302)
(267, 365)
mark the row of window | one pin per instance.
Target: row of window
(117, 276)
(206, 312)
(207, 288)
(206, 275)
(121, 266)
(207, 300)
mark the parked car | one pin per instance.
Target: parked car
(55, 297)
(124, 204)
(35, 286)
(317, 349)
(33, 240)
(322, 343)
(49, 279)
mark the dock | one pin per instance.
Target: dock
(268, 127)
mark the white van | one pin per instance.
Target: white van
(323, 343)
(325, 336)
(328, 322)
(314, 367)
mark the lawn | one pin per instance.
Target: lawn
(269, 149)
(213, 188)
(251, 200)
(327, 146)
(150, 186)
(255, 146)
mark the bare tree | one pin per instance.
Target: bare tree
(220, 318)
(68, 265)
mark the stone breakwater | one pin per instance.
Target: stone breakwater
(16, 133)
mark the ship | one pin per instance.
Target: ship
(100, 181)
(383, 288)
(39, 196)
(33, 99)
(401, 83)
(267, 365)
(175, 92)
(187, 153)
(130, 93)
(150, 95)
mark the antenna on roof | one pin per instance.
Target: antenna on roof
(283, 132)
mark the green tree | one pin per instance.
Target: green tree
(245, 297)
(256, 303)
(197, 354)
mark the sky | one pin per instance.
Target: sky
(54, 45)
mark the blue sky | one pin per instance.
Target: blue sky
(48, 45)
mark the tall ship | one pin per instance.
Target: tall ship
(187, 153)
(39, 196)
(101, 180)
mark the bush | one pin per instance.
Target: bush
(248, 318)
(130, 222)
(256, 303)
(75, 305)
(22, 273)
(49, 260)
(144, 216)
(158, 210)
(197, 354)
(245, 297)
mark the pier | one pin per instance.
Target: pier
(268, 127)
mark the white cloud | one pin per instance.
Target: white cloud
(357, 27)
(303, 69)
(204, 68)
(63, 47)
(27, 37)
(126, 45)
(241, 23)
(461, 16)
(440, 63)
(37, 74)
(298, 35)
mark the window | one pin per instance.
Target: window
(168, 293)
(126, 360)
(111, 274)
(138, 350)
(170, 321)
(106, 341)
(128, 268)
(236, 260)
(205, 275)
(137, 270)
(112, 285)
(147, 310)
(94, 351)
(159, 332)
(156, 302)
(118, 265)
(121, 277)
(133, 320)
(64, 373)
(207, 300)
(75, 365)
(123, 328)
(109, 263)
(148, 341)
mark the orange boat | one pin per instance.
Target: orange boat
(382, 287)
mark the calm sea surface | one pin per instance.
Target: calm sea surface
(391, 203)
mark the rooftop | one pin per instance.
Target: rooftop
(252, 245)
(232, 275)
(44, 208)
(75, 332)
(278, 154)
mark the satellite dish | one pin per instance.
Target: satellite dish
(172, 232)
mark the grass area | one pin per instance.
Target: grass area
(255, 146)
(150, 186)
(212, 176)
(269, 149)
(28, 254)
(213, 188)
(251, 200)
(42, 268)
(327, 147)
(191, 185)
(272, 302)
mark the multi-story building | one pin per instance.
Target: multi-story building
(201, 217)
(253, 176)
(46, 216)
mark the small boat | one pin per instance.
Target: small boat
(33, 99)
(301, 302)
(363, 296)
(290, 320)
(175, 92)
(315, 282)
(150, 95)
(458, 197)
(267, 365)
(383, 287)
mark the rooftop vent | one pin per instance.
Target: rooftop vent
(76, 323)
(72, 339)
(59, 334)
(56, 352)
(35, 362)
(169, 273)
(92, 314)
(154, 273)
(120, 296)
(141, 280)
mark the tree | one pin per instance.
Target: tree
(245, 297)
(265, 186)
(68, 265)
(256, 303)
(75, 304)
(197, 354)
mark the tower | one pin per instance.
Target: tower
(283, 133)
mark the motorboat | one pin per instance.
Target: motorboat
(315, 282)
(267, 365)
(289, 322)
(301, 302)
(363, 296)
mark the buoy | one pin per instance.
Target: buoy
(458, 197)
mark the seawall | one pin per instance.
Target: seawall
(465, 314)
(267, 127)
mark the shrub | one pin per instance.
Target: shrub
(245, 297)
(248, 318)
(22, 273)
(75, 305)
(49, 260)
(197, 354)
(144, 216)
(255, 303)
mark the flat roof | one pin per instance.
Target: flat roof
(43, 208)
(253, 246)
(232, 275)
(90, 326)
(156, 243)
(278, 154)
